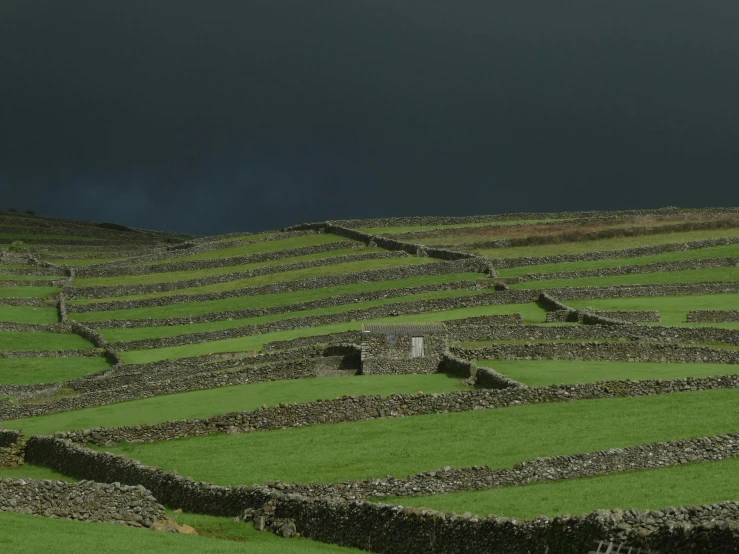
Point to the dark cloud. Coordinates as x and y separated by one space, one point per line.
232 115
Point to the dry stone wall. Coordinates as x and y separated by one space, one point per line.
125 290
712 316
86 501
12 448
372 275
507 263
586 316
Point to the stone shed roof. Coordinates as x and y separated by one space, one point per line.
404 328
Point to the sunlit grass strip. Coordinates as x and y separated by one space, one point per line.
27 292
406 446
690 484
17 340
540 373
204 403
28 314
28 371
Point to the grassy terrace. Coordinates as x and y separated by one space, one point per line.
21 236
667 277
7 277
700 483
204 403
405 446
270 300
168 277
672 309
604 244
540 373
731 250
219 535
78 261
412 228
28 314
531 312
27 292
255 342
21 340
286 276
258 247
26 371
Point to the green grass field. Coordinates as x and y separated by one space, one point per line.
659 278
731 250
29 534
672 309
540 373
270 300
29 314
7 277
404 446
168 277
530 312
649 489
26 371
27 292
204 403
604 244
296 275
22 340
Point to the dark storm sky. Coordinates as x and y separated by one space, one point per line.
211 117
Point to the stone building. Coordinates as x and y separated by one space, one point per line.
402 347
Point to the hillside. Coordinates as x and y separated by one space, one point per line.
312 380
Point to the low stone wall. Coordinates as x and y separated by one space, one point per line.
12 448
337 300
302 342
634 291
601 351
127 290
69 353
86 501
484 320
507 263
390 529
632 269
397 405
595 316
488 378
32 327
712 316
372 275
193 265
453 365
579 236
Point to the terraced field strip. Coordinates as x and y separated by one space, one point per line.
728 251
27 292
714 274
699 483
220 536
412 228
7 277
204 403
619 243
22 236
29 371
286 276
168 277
18 340
405 446
532 313
255 342
672 309
28 314
258 247
270 300
79 261
540 373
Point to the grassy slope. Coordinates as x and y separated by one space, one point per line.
666 277
28 314
204 403
679 256
605 244
28 534
286 276
270 300
16 340
531 312
27 292
700 483
26 371
499 438
411 228
168 277
549 372
672 309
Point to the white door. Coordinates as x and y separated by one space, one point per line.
416 347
